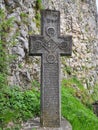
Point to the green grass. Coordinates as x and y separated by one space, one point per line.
76 88
16 105
80 117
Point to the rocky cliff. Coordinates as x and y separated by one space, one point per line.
78 18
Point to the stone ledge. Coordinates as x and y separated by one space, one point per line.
35 124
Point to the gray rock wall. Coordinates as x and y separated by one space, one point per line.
78 18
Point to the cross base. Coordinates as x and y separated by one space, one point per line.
35 124
65 125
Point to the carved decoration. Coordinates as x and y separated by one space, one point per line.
51 45
51 31
38 45
51 58
63 45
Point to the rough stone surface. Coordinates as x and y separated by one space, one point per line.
78 18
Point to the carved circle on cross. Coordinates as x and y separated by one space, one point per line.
38 44
63 45
51 31
51 58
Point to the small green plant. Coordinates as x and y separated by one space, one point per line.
35 84
22 14
24 17
37 19
34 129
38 4
20 65
95 93
67 69
37 16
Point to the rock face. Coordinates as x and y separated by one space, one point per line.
78 18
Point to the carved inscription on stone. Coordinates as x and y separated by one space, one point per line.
49 45
51 93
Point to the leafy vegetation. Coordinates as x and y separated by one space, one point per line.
38 9
16 106
5 27
75 110
39 4
24 17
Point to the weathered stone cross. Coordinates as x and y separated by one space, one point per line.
50 45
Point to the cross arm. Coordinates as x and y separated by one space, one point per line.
35 45
65 45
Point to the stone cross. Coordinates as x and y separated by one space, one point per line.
50 45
